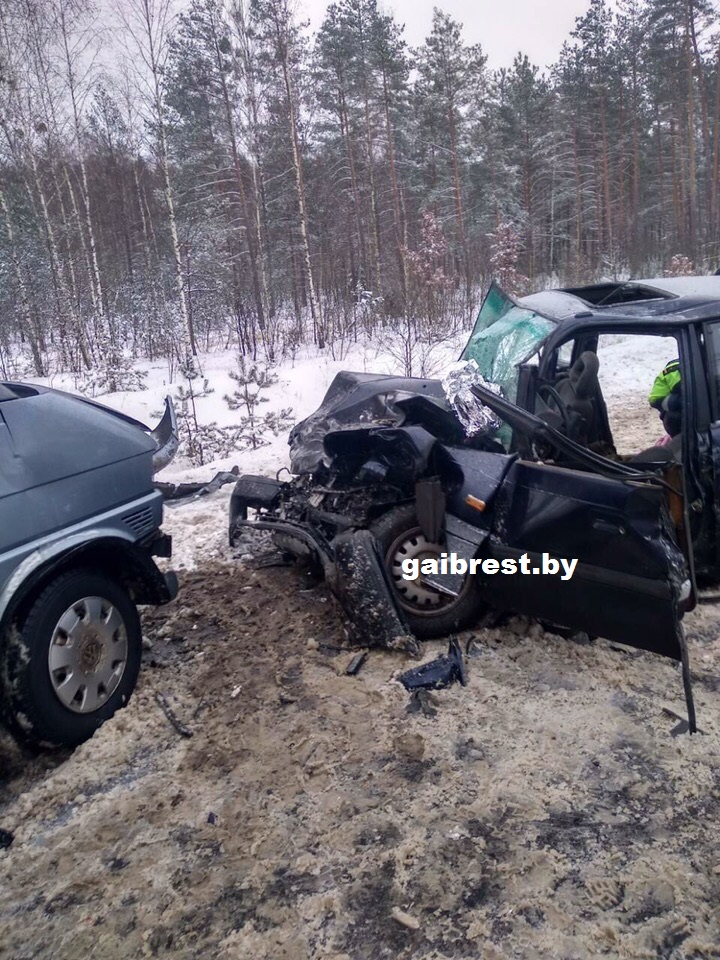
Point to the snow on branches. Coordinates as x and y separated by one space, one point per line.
680 266
252 381
505 249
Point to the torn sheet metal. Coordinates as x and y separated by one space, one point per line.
177 493
363 589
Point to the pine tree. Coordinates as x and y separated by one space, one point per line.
521 126
283 53
205 137
451 77
253 380
505 250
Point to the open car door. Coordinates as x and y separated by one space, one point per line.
623 523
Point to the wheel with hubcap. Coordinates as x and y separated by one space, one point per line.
429 612
71 660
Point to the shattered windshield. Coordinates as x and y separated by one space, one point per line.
505 335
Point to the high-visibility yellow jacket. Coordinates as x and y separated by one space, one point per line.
664 383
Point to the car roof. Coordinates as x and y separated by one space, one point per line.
673 298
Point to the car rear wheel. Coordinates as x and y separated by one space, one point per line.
429 612
71 660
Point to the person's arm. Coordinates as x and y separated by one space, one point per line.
659 391
665 382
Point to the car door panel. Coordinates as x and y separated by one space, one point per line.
632 573
626 584
605 522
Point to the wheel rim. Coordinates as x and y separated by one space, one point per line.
88 654
413 595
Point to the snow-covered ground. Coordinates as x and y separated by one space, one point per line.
199 529
629 364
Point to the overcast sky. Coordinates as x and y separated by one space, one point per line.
503 27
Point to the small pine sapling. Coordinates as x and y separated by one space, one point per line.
201 442
115 371
252 381
367 306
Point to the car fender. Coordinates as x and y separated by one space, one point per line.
104 546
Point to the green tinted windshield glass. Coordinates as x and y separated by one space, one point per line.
504 335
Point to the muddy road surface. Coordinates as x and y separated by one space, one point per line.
544 811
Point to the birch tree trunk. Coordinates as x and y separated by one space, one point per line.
65 304
152 16
97 295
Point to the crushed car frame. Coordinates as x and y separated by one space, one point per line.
513 454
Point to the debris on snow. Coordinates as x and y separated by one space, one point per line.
170 714
437 674
405 919
355 665
422 701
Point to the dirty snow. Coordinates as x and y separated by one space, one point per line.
545 811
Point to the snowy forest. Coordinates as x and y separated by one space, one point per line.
214 176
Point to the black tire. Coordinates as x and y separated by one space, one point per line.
444 614
31 705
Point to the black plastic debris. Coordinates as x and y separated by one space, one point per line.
439 673
6 838
175 493
355 665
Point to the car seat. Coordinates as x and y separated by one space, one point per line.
569 403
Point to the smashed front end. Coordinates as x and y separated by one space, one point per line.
361 453
358 402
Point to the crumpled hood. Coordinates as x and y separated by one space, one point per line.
362 400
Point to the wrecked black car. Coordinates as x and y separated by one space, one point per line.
512 459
